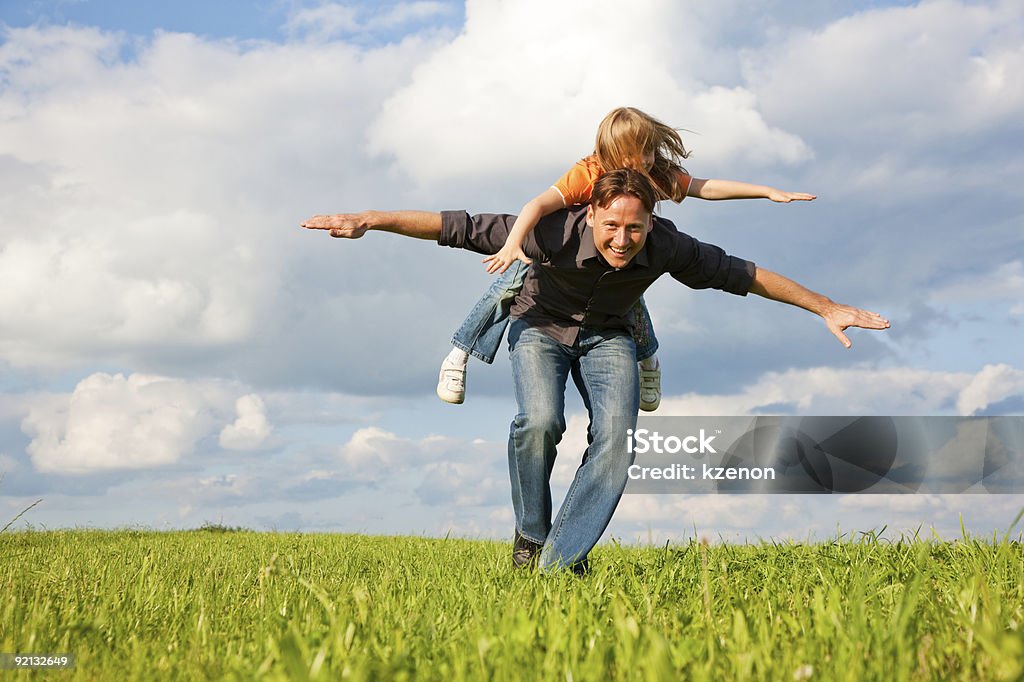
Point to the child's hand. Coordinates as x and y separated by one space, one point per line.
508 255
786 197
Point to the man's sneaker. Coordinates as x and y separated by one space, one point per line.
524 552
451 382
650 389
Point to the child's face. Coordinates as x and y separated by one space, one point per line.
648 160
644 162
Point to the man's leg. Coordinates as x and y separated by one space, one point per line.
540 367
606 375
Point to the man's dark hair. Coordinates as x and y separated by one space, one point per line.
624 181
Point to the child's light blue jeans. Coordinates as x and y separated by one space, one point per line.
481 332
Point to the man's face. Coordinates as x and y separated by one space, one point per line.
620 229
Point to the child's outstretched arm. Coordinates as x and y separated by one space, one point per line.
541 205
717 190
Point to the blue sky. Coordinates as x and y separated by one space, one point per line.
231 19
175 350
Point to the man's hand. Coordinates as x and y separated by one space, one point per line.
341 225
839 317
781 197
417 224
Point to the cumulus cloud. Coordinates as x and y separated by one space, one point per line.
373 449
682 511
896 503
251 429
896 84
491 106
224 488
476 482
443 470
933 68
836 391
991 385
151 197
114 422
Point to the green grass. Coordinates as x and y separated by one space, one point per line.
245 605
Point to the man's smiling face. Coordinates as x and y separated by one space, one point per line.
620 229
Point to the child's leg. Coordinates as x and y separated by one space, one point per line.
480 333
646 349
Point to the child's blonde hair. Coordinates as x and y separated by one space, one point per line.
627 134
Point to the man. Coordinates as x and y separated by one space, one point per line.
570 319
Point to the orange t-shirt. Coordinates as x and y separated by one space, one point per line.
578 182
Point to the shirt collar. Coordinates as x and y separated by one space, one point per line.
587 248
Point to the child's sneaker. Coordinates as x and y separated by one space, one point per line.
650 388
451 382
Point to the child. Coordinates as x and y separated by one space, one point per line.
627 137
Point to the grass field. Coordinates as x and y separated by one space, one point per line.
244 605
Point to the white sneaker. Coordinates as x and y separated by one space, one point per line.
451 382
650 389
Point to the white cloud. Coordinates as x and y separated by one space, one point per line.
897 503
112 422
570 449
705 511
476 482
152 202
514 94
991 385
660 518
251 429
448 471
931 69
373 447
835 391
900 88
1006 281
138 421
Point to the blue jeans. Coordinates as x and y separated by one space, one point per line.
603 367
481 331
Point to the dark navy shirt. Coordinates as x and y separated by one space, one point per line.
571 286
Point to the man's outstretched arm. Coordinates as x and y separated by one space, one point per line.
418 224
837 317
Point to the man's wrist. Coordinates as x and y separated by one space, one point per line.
825 306
371 220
